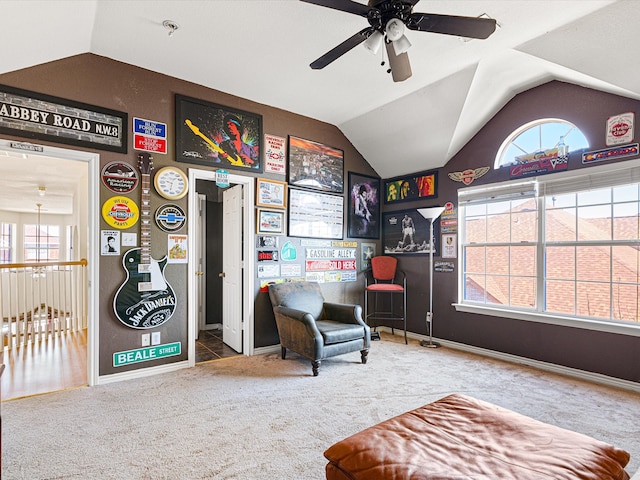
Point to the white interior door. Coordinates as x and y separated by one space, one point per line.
232 268
201 253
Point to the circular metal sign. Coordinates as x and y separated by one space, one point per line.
119 177
170 217
120 212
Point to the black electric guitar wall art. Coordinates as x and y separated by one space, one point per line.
145 299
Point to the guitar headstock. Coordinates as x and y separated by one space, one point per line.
145 163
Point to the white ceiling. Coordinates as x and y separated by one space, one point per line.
261 50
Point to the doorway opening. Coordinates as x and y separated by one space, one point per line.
220 268
48 274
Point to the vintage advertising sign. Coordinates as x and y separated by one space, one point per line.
268 256
468 176
120 212
119 177
34 115
149 136
145 354
620 129
613 153
177 251
539 163
331 264
275 154
170 217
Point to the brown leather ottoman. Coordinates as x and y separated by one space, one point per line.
459 437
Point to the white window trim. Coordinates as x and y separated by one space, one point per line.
594 174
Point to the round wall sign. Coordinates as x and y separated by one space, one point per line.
120 212
119 177
171 183
170 218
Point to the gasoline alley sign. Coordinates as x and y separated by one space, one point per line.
34 115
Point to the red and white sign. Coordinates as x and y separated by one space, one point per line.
327 265
620 129
149 144
275 154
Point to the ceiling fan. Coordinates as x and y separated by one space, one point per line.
387 21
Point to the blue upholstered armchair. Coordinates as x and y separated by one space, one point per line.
314 328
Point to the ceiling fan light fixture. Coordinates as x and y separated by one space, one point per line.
395 34
374 42
401 45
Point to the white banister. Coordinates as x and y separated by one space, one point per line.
39 300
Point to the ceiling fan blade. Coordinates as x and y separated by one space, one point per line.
341 49
472 27
399 64
343 5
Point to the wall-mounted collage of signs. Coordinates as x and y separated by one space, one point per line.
145 299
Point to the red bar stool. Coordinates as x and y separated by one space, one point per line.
385 278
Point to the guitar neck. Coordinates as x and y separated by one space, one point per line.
145 221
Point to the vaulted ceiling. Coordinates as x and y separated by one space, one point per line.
261 50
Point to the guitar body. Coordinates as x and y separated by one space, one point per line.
145 299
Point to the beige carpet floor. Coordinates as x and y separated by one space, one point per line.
263 417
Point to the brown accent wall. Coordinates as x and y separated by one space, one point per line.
99 81
604 353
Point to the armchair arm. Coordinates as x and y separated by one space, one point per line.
298 331
344 313
304 318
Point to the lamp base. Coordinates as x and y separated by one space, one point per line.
429 344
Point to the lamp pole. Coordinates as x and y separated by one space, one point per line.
432 215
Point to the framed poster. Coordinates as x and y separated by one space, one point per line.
407 232
315 214
217 136
35 115
270 222
367 252
314 165
417 186
271 193
364 206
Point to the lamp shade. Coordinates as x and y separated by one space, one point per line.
374 42
431 213
394 29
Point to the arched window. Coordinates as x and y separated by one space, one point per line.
538 136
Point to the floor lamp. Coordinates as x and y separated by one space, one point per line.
432 215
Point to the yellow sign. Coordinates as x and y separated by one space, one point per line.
120 212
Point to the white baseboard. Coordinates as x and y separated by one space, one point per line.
144 372
551 367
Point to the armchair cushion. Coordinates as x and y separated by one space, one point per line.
338 332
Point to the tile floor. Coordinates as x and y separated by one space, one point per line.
210 346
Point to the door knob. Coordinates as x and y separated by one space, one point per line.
199 273
221 274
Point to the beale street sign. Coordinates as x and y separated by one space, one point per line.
34 115
146 354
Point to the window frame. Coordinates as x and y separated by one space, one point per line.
10 238
43 245
499 162
593 177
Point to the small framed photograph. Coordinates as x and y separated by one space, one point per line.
364 206
270 222
316 166
271 193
